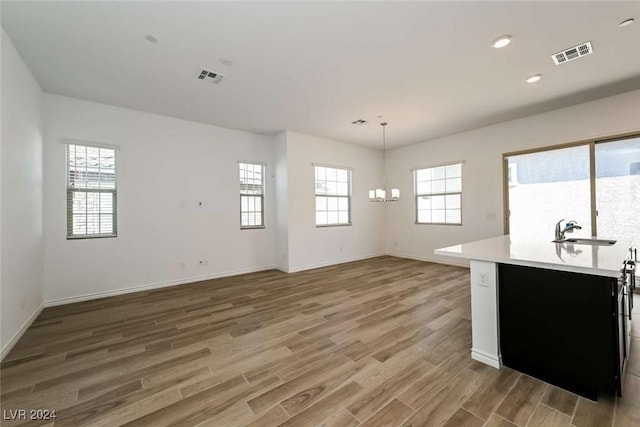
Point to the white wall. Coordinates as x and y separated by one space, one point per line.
481 150
311 246
21 217
165 167
281 185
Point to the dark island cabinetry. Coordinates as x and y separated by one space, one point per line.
565 328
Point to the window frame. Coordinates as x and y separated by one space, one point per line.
416 195
348 196
591 142
512 174
70 191
262 224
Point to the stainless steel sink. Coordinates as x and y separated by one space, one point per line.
603 242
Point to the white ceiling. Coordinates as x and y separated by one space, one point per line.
314 67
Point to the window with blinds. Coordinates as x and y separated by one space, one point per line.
251 195
333 196
91 192
438 193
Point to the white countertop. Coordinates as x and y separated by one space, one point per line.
598 260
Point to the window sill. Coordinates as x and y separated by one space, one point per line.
253 227
437 223
333 225
92 236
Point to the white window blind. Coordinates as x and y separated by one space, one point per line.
333 196
91 192
438 193
251 195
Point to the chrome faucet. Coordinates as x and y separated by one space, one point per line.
569 227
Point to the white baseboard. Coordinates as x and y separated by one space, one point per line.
14 339
487 359
158 285
330 263
122 291
282 268
455 262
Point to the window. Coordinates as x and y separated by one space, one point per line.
251 195
91 192
333 196
595 183
439 194
552 184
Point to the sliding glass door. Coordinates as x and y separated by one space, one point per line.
547 186
595 183
618 189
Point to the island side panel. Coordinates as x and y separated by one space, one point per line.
560 327
484 313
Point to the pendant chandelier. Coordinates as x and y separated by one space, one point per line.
380 194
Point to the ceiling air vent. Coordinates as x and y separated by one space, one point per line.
208 75
572 53
359 122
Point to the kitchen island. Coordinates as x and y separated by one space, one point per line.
555 311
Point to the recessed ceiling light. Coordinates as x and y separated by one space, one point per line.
226 61
151 39
626 22
502 41
534 78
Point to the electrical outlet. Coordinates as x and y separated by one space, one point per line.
201 263
206 262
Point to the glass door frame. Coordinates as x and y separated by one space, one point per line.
592 172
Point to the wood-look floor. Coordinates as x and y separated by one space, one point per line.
381 342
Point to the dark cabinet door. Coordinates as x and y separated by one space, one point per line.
559 327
